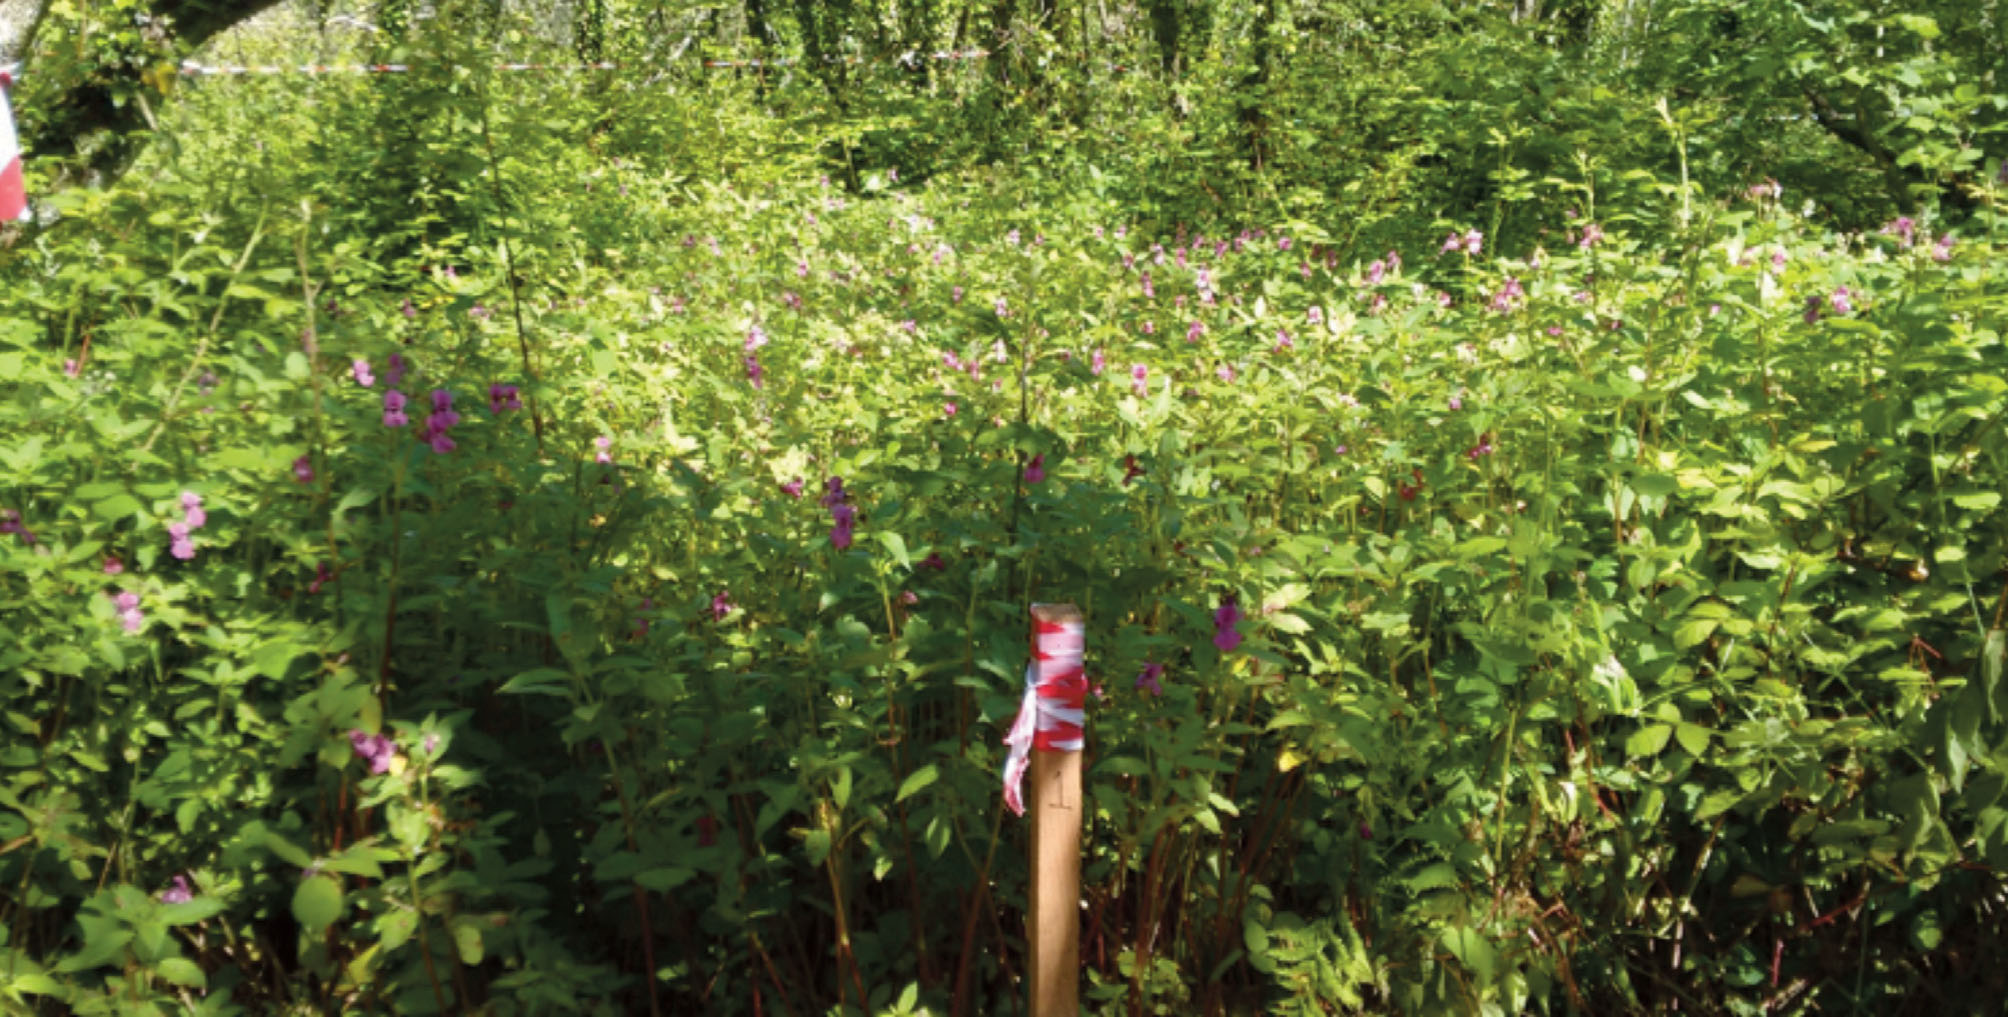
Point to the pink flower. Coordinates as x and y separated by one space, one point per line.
178 893
935 562
1315 315
1283 243
721 605
377 749
1193 332
361 370
1841 303
1375 272
756 337
1148 680
1473 241
130 618
1941 251
1225 372
948 409
408 310
503 397
113 566
1035 471
191 509
1096 363
70 367
393 409
755 374
1003 311
793 487
1226 619
1591 234
1138 374
303 469
394 374
180 545
605 446
1456 403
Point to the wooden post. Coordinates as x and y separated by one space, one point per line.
1054 922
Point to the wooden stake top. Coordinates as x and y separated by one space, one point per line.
1056 614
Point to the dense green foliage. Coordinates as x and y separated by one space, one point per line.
1530 564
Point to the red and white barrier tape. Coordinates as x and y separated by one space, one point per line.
1052 715
13 187
194 69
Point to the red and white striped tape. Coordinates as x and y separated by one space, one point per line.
1052 714
13 187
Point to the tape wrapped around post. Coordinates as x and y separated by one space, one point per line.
1051 715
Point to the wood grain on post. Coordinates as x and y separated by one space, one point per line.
1057 817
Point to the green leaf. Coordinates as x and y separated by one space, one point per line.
182 971
1648 741
317 902
662 879
917 781
467 941
1694 738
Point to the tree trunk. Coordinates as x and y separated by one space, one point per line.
93 117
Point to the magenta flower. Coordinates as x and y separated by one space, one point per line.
503 397
377 750
1149 291
361 370
947 410
1591 234
1941 251
322 577
1194 331
793 487
408 310
394 374
179 892
755 374
1035 471
843 518
113 566
1456 402
71 367
393 408
1148 680
303 469
1226 619
1840 301
1452 244
605 446
191 509
1138 375
934 561
834 493
1375 272
1283 243
440 442
1225 372
1097 363
721 605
